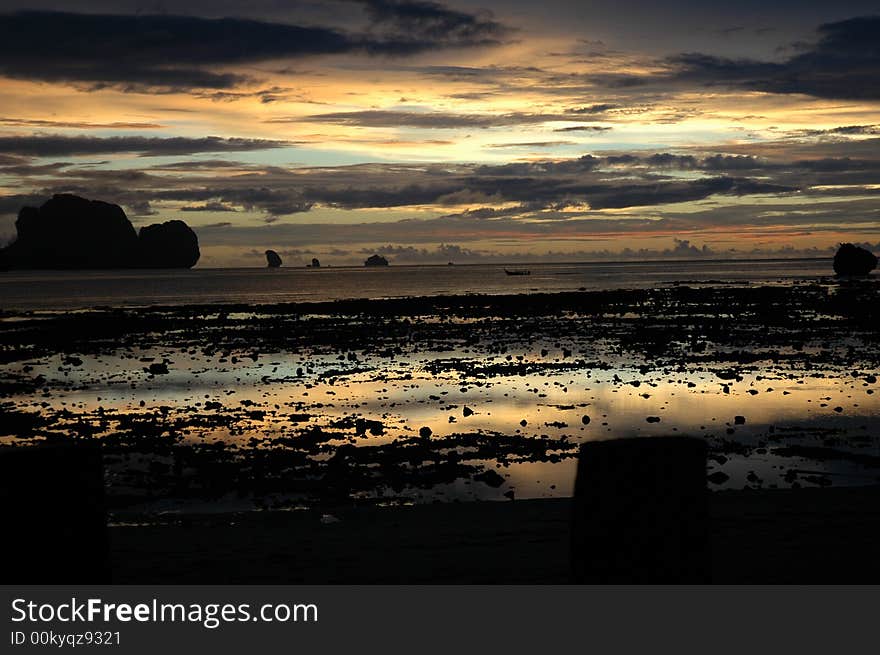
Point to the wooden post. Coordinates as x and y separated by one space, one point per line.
641 512
52 513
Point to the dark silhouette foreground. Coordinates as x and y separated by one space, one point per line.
854 261
52 512
758 536
69 232
640 512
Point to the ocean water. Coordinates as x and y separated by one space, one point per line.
70 290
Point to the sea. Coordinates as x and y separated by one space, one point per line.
78 290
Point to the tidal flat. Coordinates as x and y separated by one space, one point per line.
312 406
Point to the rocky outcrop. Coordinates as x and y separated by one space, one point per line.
273 259
376 260
172 244
853 260
72 232
69 232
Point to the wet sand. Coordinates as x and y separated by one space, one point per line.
457 398
795 536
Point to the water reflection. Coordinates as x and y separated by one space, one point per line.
235 410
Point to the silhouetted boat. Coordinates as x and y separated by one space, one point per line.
517 271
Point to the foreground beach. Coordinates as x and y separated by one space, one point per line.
359 440
799 536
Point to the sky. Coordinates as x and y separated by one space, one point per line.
449 131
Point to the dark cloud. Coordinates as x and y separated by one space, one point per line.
436 119
583 128
843 64
26 169
155 51
419 22
173 53
208 207
55 145
32 122
532 144
791 171
247 196
412 194
580 165
593 109
548 190
637 195
844 130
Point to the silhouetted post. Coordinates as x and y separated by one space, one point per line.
52 513
641 512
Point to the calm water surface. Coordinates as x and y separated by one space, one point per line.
65 290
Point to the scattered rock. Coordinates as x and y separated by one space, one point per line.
376 260
490 477
362 425
273 259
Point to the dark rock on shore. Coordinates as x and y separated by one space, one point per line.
853 260
315 263
490 477
273 259
159 368
172 244
69 232
376 260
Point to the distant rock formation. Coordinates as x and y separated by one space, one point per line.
376 260
72 232
853 260
69 232
171 244
315 263
273 259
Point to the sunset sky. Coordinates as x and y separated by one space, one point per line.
428 131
